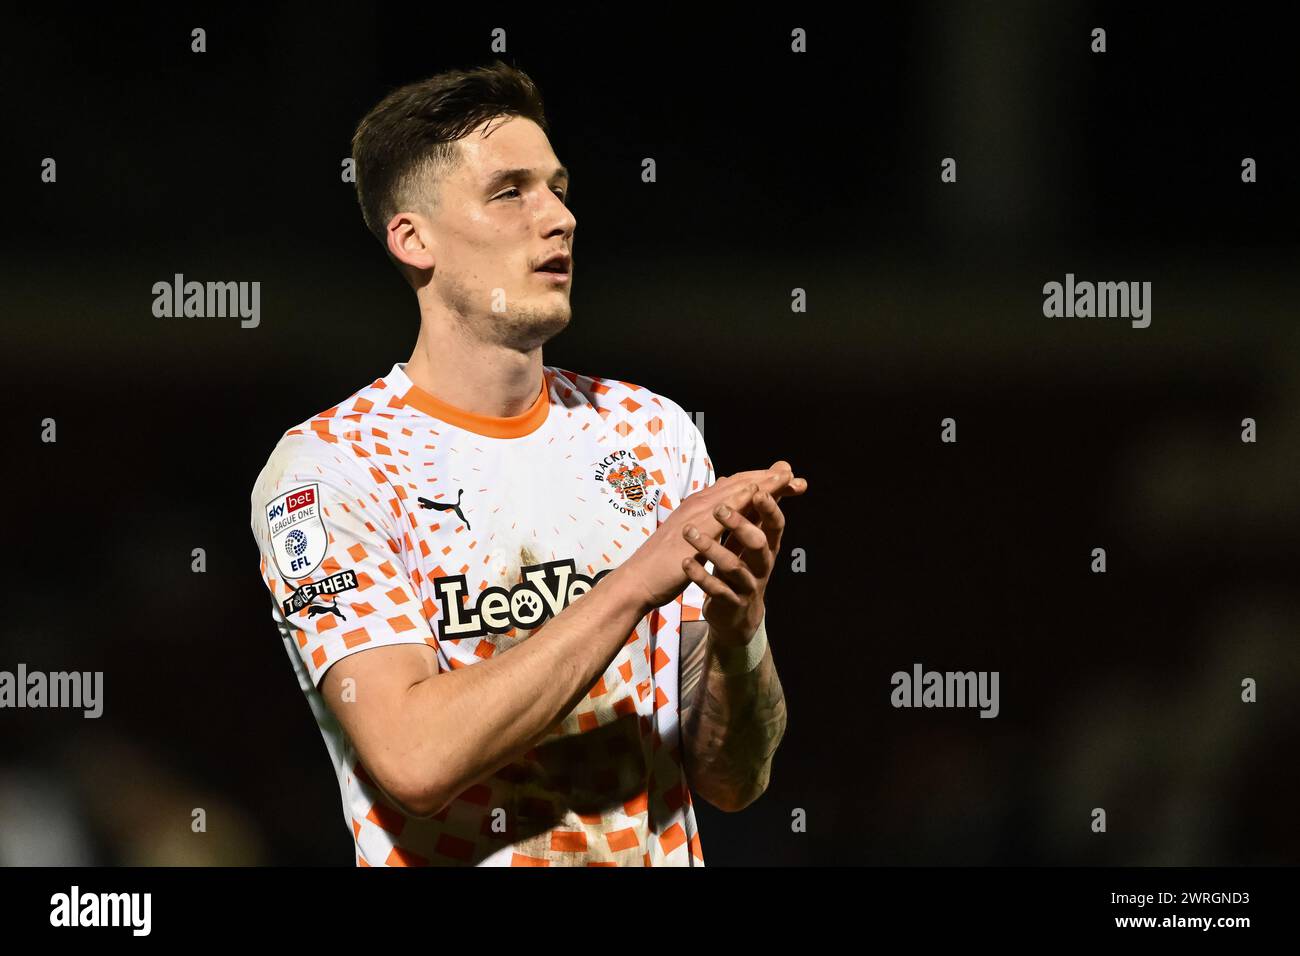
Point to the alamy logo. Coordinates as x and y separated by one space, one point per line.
546 590
1122 300
181 299
946 689
76 908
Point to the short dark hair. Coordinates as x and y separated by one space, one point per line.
409 138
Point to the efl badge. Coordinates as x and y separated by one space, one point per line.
298 536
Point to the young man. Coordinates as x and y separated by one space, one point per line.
511 544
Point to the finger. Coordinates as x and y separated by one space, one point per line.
739 492
728 541
709 583
746 540
796 486
756 474
777 482
707 523
741 528
740 479
771 520
789 484
726 565
736 492
742 505
764 511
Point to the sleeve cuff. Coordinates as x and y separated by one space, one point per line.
735 661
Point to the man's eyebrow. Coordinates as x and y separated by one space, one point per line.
503 176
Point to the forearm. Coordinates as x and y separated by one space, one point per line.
732 727
468 723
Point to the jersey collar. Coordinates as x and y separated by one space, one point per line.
514 426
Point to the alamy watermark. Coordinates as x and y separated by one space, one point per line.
922 688
80 690
181 299
1121 300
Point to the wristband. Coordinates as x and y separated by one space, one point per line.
735 661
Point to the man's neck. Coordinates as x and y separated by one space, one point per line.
475 376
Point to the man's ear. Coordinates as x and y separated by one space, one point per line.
410 241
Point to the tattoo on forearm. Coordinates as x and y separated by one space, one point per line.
731 726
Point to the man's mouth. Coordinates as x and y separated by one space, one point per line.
557 264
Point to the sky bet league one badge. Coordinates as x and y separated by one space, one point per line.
298 536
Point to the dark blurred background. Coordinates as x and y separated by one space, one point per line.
775 170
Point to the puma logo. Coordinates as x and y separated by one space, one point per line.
316 610
426 503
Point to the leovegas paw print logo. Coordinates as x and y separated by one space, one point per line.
628 485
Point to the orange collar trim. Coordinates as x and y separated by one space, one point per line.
514 426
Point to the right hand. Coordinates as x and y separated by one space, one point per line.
654 571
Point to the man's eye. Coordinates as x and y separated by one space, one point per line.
515 189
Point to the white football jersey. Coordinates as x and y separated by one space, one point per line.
396 518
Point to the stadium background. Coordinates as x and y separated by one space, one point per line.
775 171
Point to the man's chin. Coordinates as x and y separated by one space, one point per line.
532 329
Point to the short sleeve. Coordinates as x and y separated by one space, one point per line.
696 474
331 558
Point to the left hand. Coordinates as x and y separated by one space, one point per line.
734 592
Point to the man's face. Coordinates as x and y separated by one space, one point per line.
500 214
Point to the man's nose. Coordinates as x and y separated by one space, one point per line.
559 218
